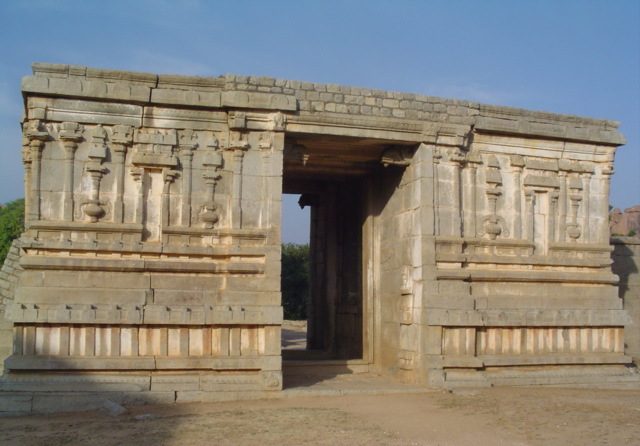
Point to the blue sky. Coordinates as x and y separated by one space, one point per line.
578 57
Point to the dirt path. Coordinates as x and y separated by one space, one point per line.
516 416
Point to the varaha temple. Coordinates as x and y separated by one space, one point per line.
451 242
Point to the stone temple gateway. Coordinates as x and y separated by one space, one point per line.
451 242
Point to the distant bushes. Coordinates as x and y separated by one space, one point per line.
295 280
11 225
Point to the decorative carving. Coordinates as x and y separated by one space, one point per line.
272 380
494 225
456 156
138 176
266 141
575 197
71 135
278 122
121 139
396 156
188 142
93 207
238 144
237 120
155 149
37 135
212 162
297 153
517 166
168 177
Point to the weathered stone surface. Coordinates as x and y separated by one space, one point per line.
445 234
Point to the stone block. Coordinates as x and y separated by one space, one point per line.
268 101
15 403
181 382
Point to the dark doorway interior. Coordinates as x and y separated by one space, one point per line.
336 177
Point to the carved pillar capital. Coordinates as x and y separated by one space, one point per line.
278 122
70 135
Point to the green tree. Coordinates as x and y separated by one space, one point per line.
11 225
295 280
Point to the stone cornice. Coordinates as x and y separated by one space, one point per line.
311 101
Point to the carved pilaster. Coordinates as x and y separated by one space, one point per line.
71 135
456 159
586 208
212 163
562 206
187 143
37 135
168 177
470 201
26 162
606 172
278 122
437 157
121 140
266 146
93 207
553 212
575 196
517 165
238 145
138 176
493 224
530 202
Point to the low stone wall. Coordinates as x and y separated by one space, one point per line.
626 264
8 280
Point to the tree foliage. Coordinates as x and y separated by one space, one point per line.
295 280
11 225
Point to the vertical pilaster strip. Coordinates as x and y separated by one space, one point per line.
70 150
470 224
456 158
70 134
138 176
562 207
530 197
187 145
606 172
238 144
37 138
122 138
26 161
517 164
553 211
266 145
168 176
437 156
586 190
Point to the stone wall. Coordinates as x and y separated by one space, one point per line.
151 253
626 264
9 275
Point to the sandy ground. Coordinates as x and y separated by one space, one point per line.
509 416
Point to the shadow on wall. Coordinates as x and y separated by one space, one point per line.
626 264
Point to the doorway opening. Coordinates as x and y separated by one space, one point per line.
294 272
344 184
